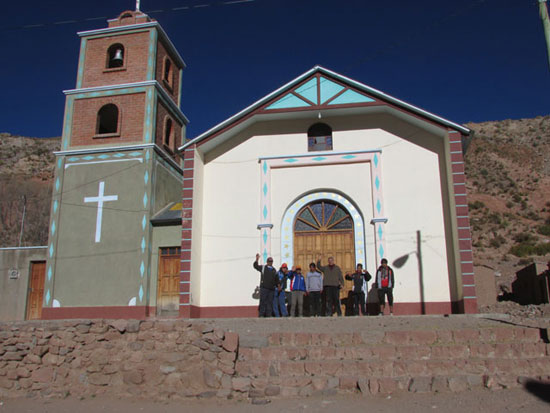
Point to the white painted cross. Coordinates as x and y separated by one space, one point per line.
100 199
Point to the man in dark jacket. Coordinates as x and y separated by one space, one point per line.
332 282
269 281
385 282
358 294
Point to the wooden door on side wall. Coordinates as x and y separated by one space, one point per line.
168 286
325 228
36 290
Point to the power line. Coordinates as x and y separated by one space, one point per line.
156 11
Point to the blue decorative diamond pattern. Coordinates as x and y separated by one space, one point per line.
146 177
291 160
143 223
88 157
380 232
378 206
349 157
142 245
147 155
74 158
48 296
142 269
104 156
265 189
377 183
145 200
265 255
381 251
50 273
319 159
51 250
265 236
118 155
55 206
57 184
141 293
135 153
265 212
53 227
265 168
59 163
376 160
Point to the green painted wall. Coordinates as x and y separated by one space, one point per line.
111 270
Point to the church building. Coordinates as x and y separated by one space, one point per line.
146 222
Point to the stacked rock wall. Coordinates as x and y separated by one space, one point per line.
383 362
154 359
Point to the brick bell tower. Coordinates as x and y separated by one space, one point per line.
117 167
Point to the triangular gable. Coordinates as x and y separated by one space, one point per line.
319 92
319 88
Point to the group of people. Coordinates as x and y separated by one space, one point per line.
319 279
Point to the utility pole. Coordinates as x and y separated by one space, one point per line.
23 218
543 11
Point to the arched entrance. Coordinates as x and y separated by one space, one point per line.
325 228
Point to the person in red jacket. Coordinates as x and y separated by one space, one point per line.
385 282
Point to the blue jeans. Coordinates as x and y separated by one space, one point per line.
279 302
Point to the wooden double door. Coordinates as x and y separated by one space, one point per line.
325 228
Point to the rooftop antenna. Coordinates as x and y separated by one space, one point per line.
137 5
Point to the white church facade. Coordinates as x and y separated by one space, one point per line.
326 166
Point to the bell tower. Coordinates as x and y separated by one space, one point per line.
117 167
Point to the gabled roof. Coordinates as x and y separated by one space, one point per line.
320 89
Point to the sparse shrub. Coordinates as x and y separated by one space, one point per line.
544 229
509 204
525 238
497 241
495 218
476 205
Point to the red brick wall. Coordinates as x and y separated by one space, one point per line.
131 116
159 76
136 48
162 113
130 17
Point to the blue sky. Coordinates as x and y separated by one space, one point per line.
465 60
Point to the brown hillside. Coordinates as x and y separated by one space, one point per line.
508 182
26 169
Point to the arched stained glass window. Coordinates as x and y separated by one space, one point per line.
323 216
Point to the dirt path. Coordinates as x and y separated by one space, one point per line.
512 400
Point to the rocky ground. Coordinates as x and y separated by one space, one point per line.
511 400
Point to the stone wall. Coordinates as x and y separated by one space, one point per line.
384 362
153 359
169 359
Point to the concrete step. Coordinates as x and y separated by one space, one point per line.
375 368
413 337
514 350
326 385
